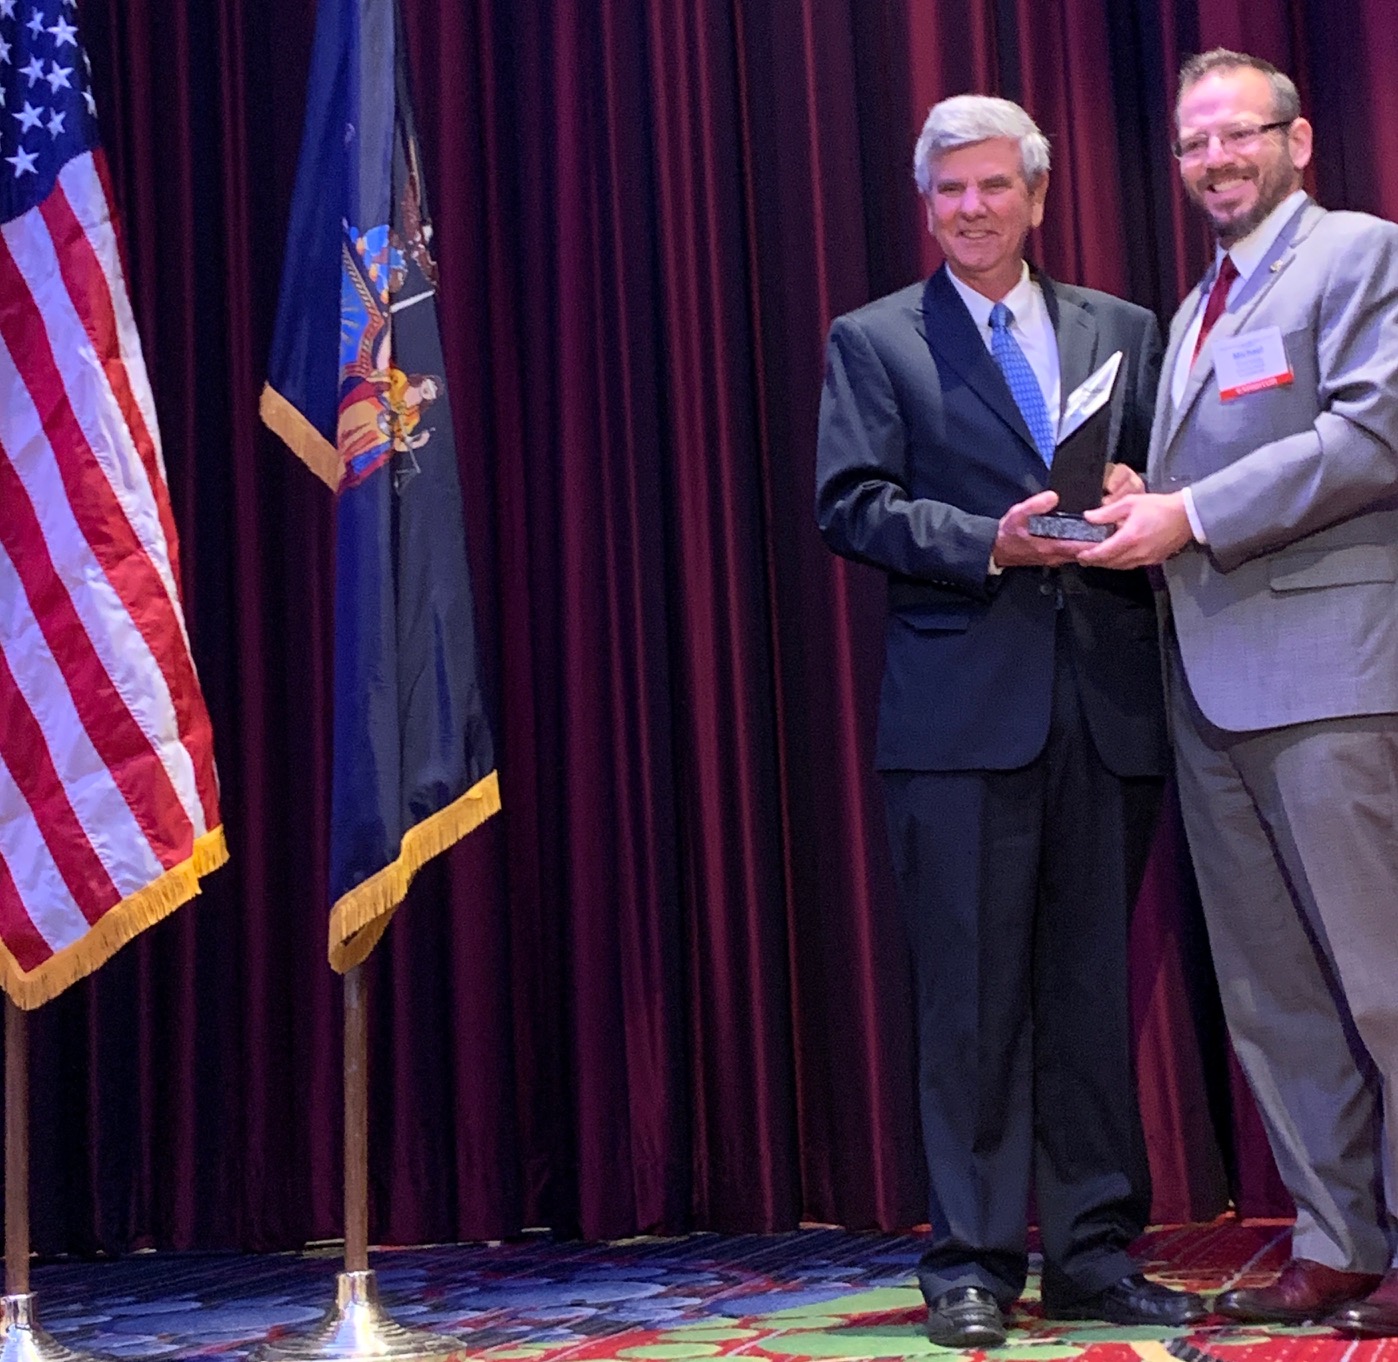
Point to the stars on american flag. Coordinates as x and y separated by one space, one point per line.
45 87
23 162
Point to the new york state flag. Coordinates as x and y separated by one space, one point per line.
357 389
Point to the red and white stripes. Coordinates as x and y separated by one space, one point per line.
108 795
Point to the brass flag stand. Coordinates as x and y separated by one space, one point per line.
22 1337
355 1325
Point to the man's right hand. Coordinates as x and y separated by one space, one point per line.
1016 547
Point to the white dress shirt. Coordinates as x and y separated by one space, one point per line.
1031 328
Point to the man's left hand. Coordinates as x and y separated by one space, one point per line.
1120 480
1150 527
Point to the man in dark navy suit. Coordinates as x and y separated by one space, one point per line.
1021 736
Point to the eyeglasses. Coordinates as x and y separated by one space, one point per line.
1195 148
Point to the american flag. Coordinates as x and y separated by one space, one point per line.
108 796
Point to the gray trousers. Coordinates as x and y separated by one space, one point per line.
1294 837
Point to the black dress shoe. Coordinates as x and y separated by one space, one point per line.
1135 1299
965 1317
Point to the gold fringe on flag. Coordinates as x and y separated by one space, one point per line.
358 919
301 437
114 928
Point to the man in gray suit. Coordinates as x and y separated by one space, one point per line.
1274 459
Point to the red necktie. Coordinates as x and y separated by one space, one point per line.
1218 300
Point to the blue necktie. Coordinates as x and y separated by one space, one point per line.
1024 387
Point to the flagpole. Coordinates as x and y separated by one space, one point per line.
356 1123
356 1326
16 1151
22 1337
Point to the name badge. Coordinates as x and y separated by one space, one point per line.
1250 362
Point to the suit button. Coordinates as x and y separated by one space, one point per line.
1046 588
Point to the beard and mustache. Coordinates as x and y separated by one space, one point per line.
1273 183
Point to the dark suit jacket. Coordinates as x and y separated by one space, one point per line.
921 451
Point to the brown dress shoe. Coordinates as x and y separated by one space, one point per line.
1376 1316
1302 1293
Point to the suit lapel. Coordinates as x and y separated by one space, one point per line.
1259 284
1076 330
1164 419
952 337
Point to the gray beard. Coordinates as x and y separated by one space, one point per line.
1230 233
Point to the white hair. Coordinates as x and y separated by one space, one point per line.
966 119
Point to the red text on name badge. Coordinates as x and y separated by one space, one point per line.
1250 363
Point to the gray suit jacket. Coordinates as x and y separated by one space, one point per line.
1290 613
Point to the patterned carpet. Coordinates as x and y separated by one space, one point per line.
816 1293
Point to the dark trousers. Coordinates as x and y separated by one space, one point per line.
1017 887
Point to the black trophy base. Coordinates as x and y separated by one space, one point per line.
1062 525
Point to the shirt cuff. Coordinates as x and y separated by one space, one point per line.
1196 527
993 569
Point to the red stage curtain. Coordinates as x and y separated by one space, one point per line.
667 988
